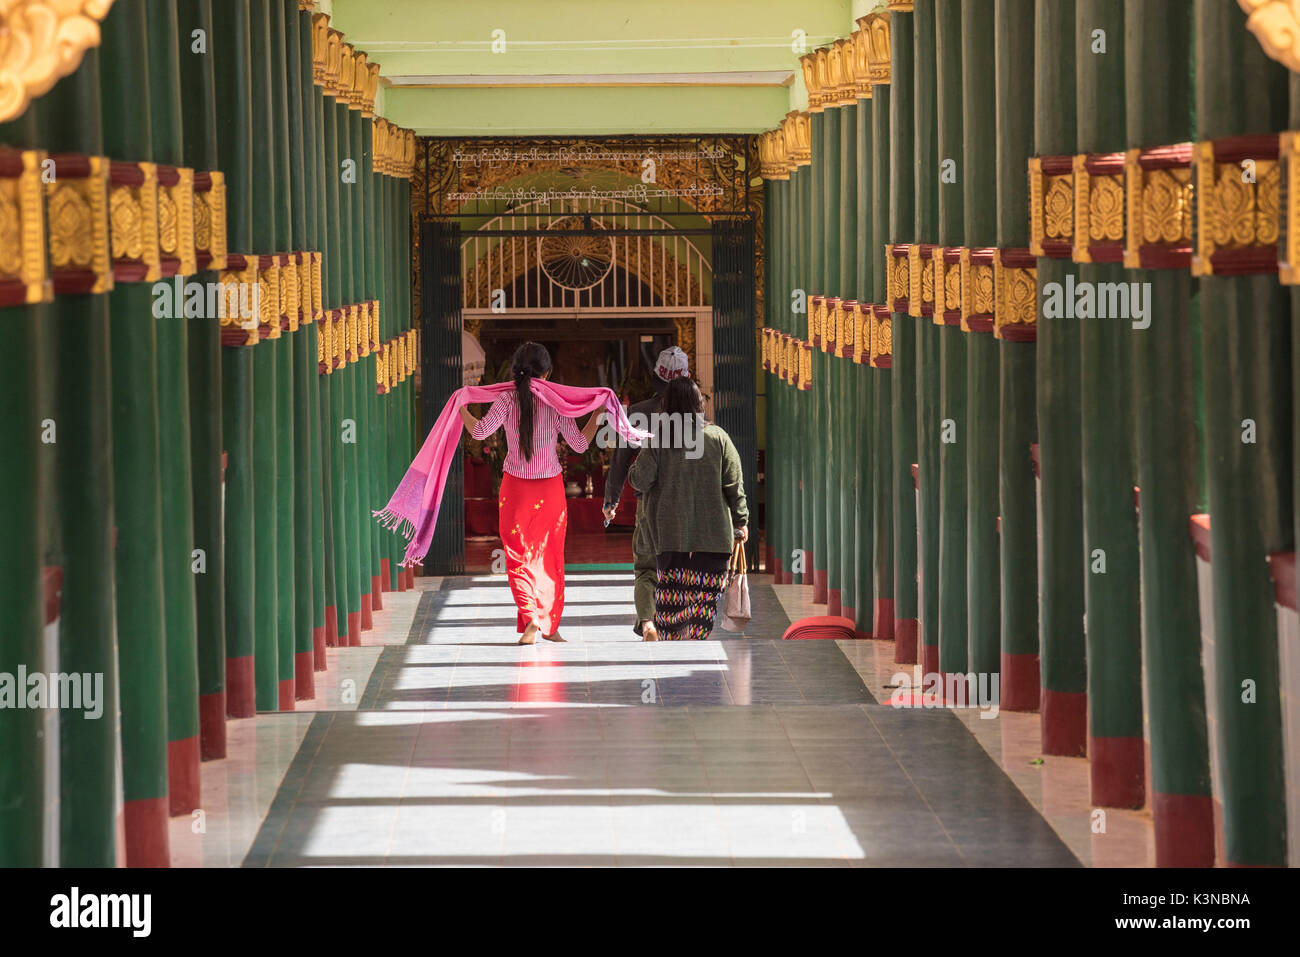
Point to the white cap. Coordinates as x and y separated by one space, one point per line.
672 364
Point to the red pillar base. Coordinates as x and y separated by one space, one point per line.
821 594
304 675
376 592
147 843
286 688
1184 826
1020 682
769 560
410 579
401 579
331 626
1117 766
929 659
778 573
907 633
241 689
851 613
883 623
834 602
354 630
212 726
385 575
183 793
367 621
1065 723
807 575
957 691
319 661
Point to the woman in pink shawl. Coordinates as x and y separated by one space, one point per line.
534 512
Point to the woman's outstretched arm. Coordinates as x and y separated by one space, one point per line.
468 418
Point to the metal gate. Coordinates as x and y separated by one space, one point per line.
440 376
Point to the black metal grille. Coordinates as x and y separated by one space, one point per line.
440 375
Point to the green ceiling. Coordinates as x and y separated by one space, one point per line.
589 67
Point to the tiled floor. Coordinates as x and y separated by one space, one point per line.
468 749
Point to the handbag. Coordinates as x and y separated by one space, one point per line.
735 608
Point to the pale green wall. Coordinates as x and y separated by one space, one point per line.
436 38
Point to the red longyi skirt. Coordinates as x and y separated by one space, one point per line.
534 516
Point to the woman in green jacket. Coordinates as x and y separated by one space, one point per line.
689 478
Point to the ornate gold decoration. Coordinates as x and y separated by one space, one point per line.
805 366
830 325
1051 206
210 220
1098 207
1158 201
1237 204
1289 247
914 270
320 35
356 94
900 6
977 296
875 29
1015 289
176 202
290 290
77 207
812 81
23 274
862 332
685 326
268 281
347 74
239 271
334 82
374 324
1276 25
133 205
42 41
882 337
846 328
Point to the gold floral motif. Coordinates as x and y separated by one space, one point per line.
180 198
927 280
127 222
42 41
913 286
210 221
1106 209
1167 206
305 312
289 291
1016 296
1058 208
875 29
951 290
268 281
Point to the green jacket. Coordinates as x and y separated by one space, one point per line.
695 503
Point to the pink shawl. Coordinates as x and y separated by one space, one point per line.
413 509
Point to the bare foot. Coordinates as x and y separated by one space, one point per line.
554 637
530 634
649 632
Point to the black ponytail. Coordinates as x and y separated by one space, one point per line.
531 360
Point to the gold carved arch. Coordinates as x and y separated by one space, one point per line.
41 42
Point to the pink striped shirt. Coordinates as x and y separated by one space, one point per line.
547 424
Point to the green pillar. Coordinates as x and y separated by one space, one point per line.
287 547
142 657
1061 556
1113 623
1017 419
175 443
870 160
230 43
303 360
954 432
23 759
309 100
880 385
1165 374
814 481
848 435
810 448
895 116
90 758
978 435
828 390
923 162
1247 376
893 108
199 115
265 375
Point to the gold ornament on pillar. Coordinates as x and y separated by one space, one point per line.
334 63
41 42
874 29
320 36
808 64
1237 215
356 94
23 270
371 90
1015 291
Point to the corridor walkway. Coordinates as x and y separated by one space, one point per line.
468 749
